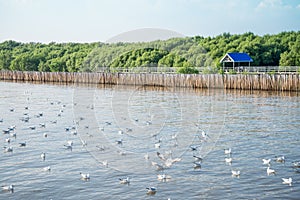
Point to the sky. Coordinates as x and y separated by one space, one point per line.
100 20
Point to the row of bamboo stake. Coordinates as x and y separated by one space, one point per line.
275 82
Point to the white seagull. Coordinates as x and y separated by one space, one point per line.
43 156
47 169
13 134
85 176
287 181
198 158
197 165
204 135
146 156
157 145
296 164
105 163
9 188
228 160
163 177
280 159
124 180
266 161
227 151
235 173
270 171
8 149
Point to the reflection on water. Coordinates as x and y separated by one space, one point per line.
113 127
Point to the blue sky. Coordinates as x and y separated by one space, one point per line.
99 20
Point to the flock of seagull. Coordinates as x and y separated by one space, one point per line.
166 159
278 159
11 133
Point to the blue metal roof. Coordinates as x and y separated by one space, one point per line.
236 57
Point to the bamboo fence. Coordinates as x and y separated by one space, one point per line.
274 82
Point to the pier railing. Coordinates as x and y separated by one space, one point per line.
240 69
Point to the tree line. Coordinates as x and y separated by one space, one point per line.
184 54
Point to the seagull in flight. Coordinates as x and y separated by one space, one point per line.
266 161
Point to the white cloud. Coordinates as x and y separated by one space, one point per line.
298 6
271 4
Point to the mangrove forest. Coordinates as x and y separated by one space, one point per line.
182 54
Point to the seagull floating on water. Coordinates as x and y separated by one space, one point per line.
280 159
151 190
228 160
13 134
270 171
235 173
163 177
197 165
8 188
120 141
124 180
43 156
22 144
146 156
42 125
198 158
85 176
194 148
296 164
70 142
105 163
8 149
48 168
157 145
227 151
287 181
7 140
204 135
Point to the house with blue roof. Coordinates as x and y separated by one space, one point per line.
238 60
